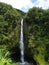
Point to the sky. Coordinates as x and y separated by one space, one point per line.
24 5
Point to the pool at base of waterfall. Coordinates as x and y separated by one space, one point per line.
25 63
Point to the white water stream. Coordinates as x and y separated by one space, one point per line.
22 43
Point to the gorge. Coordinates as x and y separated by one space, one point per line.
24 40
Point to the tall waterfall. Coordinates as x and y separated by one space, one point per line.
22 43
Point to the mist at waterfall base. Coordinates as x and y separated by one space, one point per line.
22 46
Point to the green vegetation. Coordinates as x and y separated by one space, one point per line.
37 22
9 32
36 34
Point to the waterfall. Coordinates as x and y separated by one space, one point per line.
21 43
22 46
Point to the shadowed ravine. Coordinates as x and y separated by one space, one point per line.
20 55
22 47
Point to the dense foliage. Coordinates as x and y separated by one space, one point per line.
36 34
37 23
9 32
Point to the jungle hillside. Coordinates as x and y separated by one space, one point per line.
36 35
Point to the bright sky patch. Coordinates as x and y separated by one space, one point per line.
24 5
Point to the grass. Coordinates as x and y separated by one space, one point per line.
4 56
5 61
40 59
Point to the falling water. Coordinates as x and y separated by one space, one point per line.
22 46
22 43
